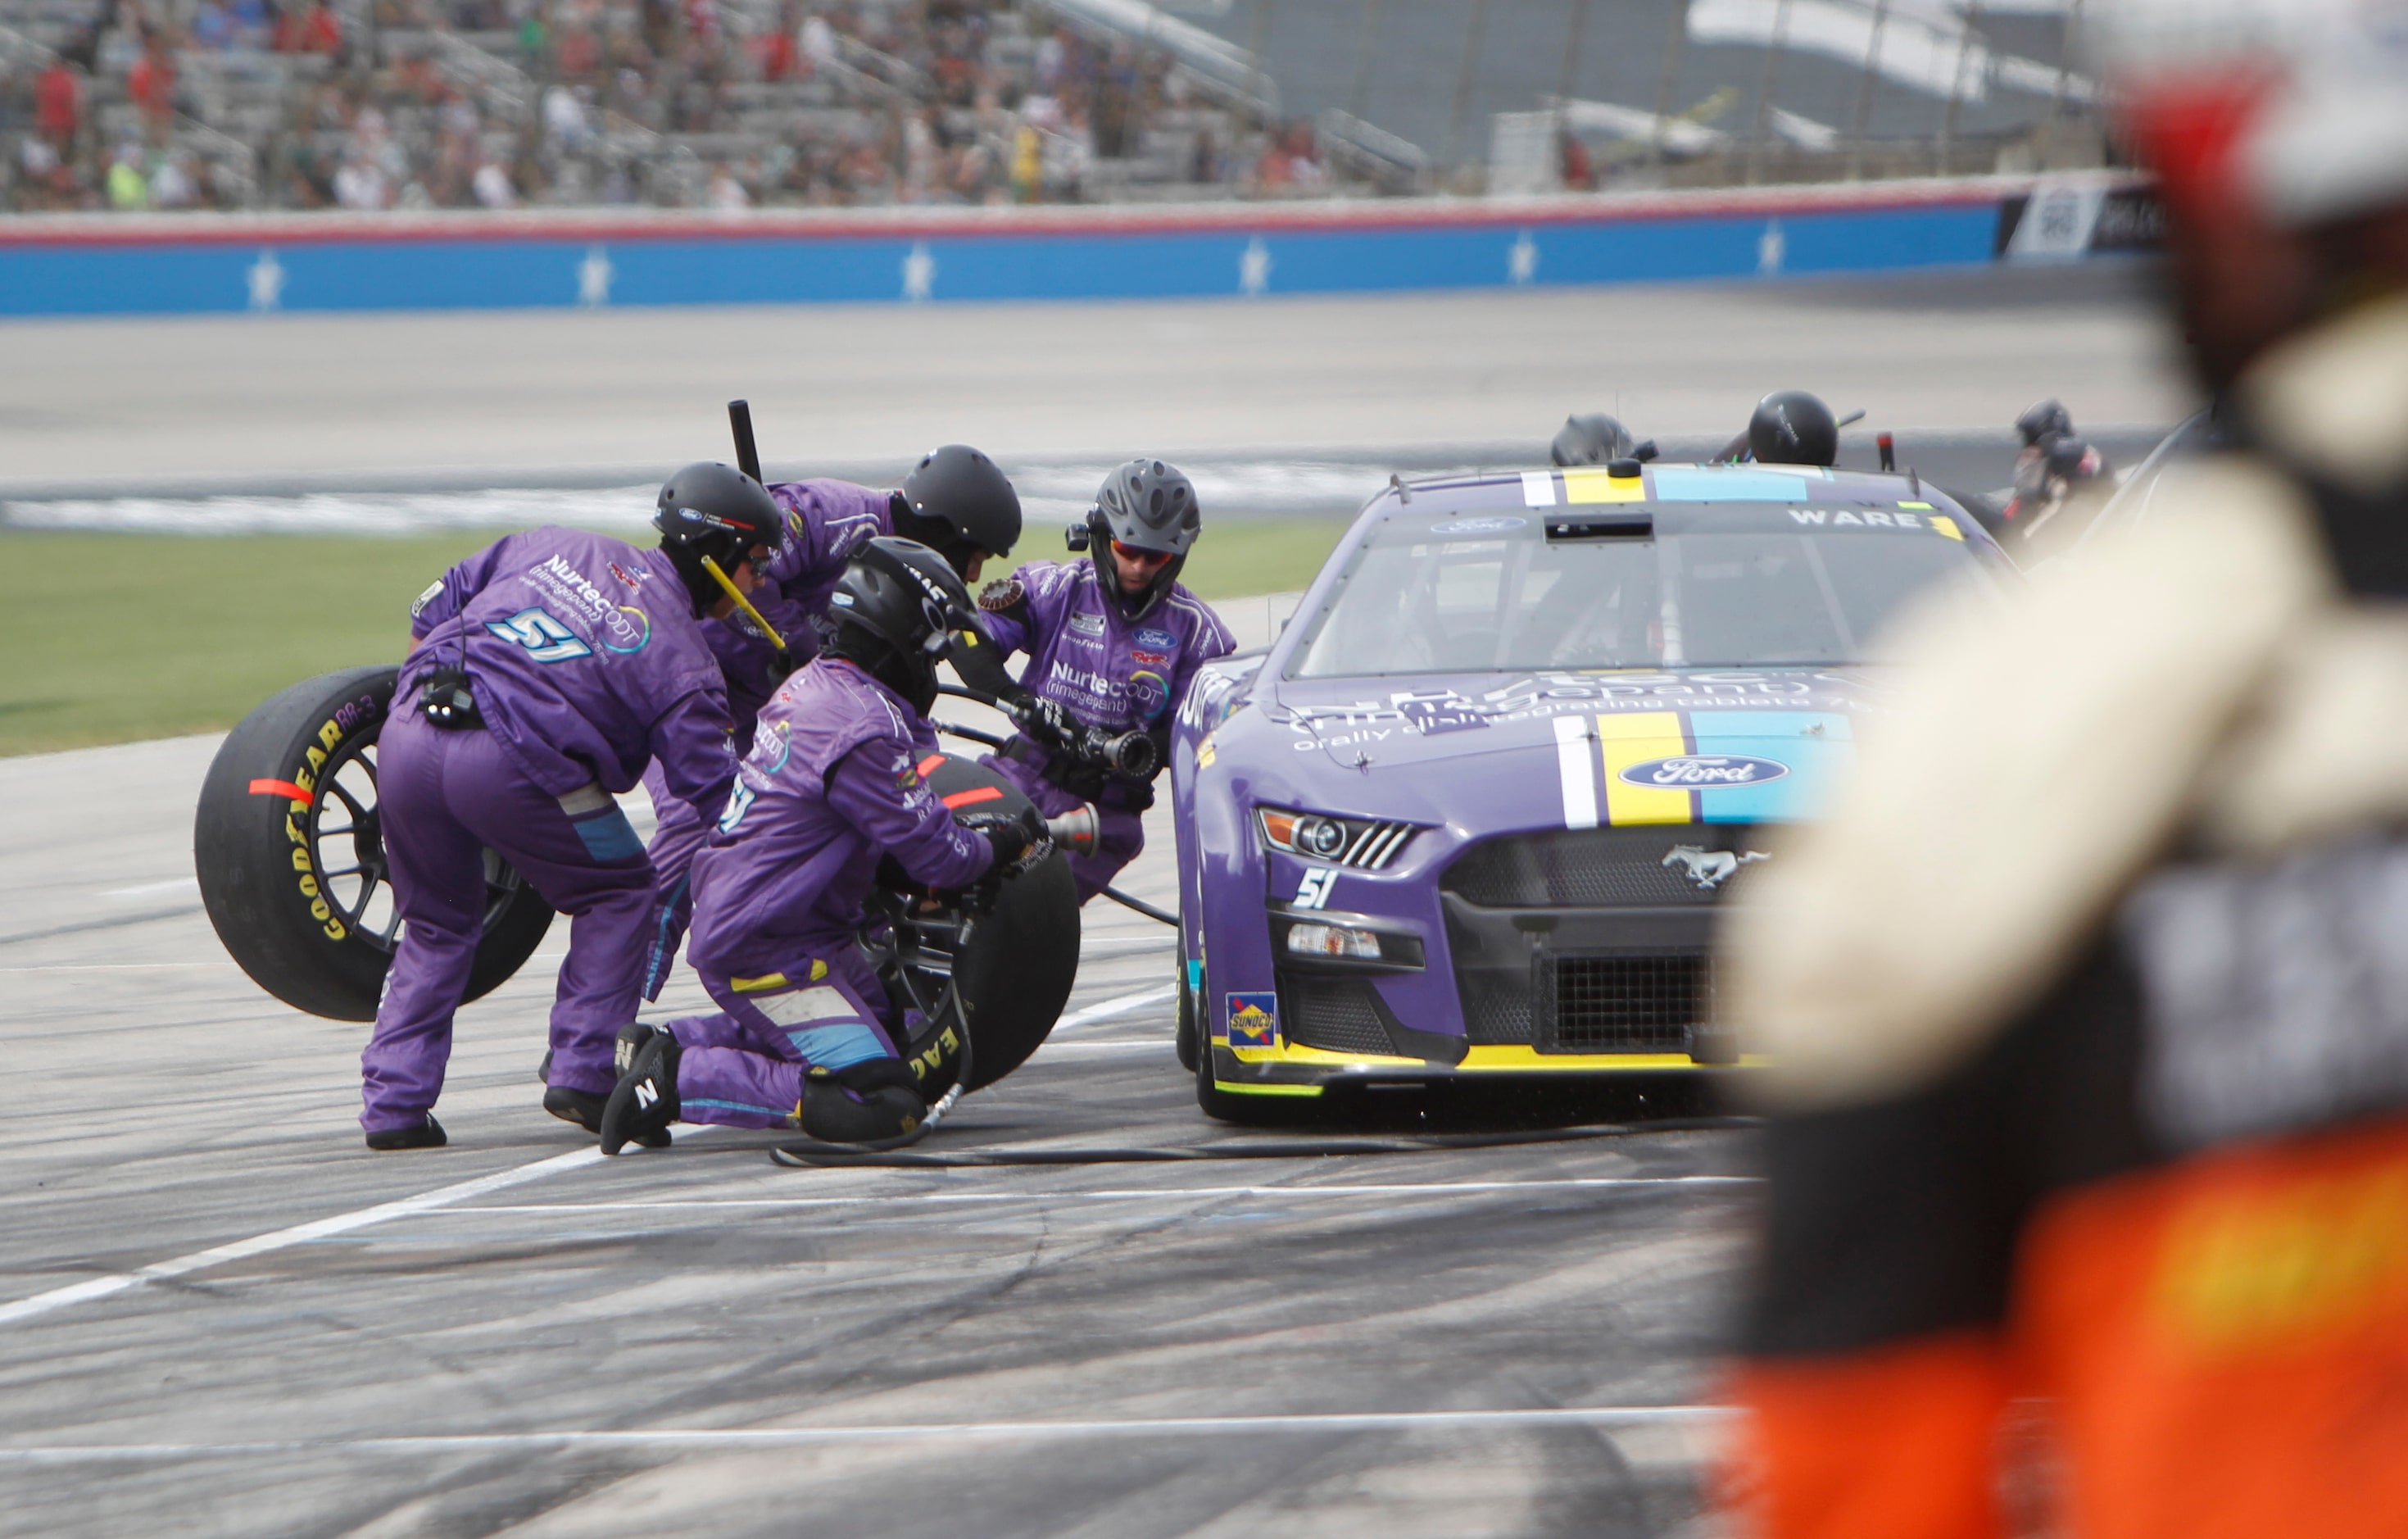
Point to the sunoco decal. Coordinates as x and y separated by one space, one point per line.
1254 1020
1703 771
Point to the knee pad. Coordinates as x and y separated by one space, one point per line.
834 1112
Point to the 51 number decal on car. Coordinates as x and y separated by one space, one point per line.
1313 891
547 639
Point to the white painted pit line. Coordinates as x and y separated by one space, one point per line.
1119 1006
93 1288
1606 1417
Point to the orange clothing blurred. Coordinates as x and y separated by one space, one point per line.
2222 1346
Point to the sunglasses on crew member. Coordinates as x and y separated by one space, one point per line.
1142 559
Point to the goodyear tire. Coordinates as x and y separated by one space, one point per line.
291 857
1017 969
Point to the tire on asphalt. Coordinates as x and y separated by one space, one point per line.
290 854
1016 971
1183 1038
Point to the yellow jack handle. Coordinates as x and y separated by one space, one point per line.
743 603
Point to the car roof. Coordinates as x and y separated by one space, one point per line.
1596 485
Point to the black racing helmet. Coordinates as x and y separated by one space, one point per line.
1793 427
714 512
892 613
957 502
1592 440
2043 419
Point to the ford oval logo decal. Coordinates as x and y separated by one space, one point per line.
1703 771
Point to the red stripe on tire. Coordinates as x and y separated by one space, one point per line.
978 794
284 788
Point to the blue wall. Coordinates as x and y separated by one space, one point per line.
365 265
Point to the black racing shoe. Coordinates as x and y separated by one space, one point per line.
428 1134
584 1108
632 1037
646 1102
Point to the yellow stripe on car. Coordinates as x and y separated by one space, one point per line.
1635 739
1592 484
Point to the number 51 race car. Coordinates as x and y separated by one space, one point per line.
1472 813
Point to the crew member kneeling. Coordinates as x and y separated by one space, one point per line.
1113 642
545 673
832 785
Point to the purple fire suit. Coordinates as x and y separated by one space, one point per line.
1105 669
827 520
833 783
587 664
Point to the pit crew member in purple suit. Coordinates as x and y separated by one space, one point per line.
831 787
1111 643
545 674
955 501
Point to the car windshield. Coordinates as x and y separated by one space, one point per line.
1642 588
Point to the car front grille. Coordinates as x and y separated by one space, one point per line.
1673 866
1622 1004
1334 1014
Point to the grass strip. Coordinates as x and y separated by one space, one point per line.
114 637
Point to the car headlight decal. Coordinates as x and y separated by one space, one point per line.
1363 843
1361 946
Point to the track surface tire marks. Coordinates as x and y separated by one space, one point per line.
178 1109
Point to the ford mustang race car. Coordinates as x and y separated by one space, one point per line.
1473 812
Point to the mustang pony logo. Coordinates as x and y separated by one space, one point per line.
1709 869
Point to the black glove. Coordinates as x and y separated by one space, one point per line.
980 663
1011 838
782 663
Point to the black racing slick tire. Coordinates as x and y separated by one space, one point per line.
1184 1038
1014 972
290 854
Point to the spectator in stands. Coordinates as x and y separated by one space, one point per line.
129 190
58 105
213 27
493 187
309 28
150 86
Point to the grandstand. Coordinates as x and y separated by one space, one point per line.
726 104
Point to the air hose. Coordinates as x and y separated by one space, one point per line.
811 1155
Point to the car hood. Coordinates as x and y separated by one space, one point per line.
1480 751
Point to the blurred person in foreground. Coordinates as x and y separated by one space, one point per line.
2089 1006
546 674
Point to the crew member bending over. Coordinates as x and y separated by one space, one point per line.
955 501
832 785
545 674
1112 642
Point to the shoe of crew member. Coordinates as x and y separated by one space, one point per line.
584 1108
645 1102
427 1134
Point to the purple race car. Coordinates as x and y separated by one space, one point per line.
1472 813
